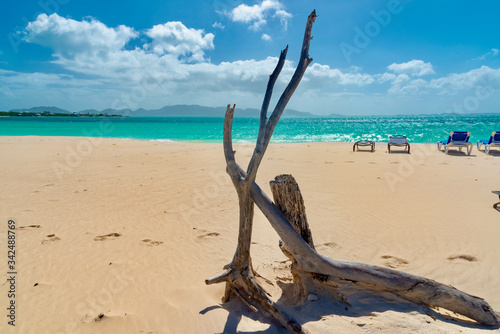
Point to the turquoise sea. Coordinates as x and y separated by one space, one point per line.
418 129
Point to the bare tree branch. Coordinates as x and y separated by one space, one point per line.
258 152
228 144
264 136
304 62
239 276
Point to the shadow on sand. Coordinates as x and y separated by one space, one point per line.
363 301
492 153
457 153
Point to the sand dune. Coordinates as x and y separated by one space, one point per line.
117 236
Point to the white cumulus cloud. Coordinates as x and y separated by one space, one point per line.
333 75
218 25
413 67
452 84
178 40
92 48
266 37
68 37
480 77
256 16
168 66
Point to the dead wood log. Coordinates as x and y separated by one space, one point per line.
288 198
239 275
415 288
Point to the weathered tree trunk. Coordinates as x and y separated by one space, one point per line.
307 263
414 288
288 198
239 277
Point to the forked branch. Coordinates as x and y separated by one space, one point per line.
267 127
239 276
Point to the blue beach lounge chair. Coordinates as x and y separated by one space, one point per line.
494 141
398 141
458 139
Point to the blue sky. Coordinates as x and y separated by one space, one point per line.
370 56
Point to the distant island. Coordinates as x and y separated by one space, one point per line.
51 114
182 110
167 111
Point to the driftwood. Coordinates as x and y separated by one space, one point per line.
415 288
307 263
288 199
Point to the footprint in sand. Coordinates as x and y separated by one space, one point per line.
463 257
205 234
330 244
50 238
29 227
393 262
109 236
150 242
211 234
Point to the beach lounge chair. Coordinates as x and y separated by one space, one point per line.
364 143
400 141
497 205
458 139
494 141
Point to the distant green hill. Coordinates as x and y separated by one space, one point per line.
167 111
40 110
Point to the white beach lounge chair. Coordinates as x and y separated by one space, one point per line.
364 143
400 141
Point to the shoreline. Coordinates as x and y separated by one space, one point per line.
379 145
238 142
130 229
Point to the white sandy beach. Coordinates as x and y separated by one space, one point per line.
118 236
